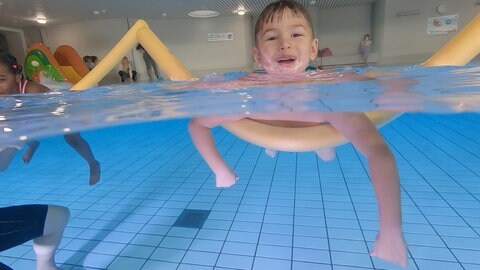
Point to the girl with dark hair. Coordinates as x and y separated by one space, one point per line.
12 82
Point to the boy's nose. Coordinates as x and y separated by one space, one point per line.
284 46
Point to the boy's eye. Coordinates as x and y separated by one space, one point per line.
297 35
271 38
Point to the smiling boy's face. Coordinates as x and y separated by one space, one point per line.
285 45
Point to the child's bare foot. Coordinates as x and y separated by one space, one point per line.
225 178
271 153
94 173
46 264
390 247
326 154
28 154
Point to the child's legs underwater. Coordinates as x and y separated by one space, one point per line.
80 145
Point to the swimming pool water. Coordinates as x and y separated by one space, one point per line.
436 89
290 212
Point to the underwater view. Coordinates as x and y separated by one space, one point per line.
156 205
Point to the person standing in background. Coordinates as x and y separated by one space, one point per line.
152 69
366 48
127 74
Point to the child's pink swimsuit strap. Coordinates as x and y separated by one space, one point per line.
22 85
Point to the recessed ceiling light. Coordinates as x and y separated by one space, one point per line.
241 11
203 13
41 20
96 12
164 14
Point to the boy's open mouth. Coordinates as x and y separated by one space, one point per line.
286 61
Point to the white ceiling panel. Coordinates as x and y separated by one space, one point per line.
21 13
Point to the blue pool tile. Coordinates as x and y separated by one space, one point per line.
275 252
454 231
175 242
278 219
381 264
310 266
23 264
101 261
467 256
66 256
311 255
200 258
431 264
462 243
351 259
137 251
311 242
235 261
277 228
168 254
182 232
185 266
346 234
119 237
275 239
310 231
432 253
471 266
348 245
108 248
238 248
81 245
245 237
155 265
217 224
246 226
126 263
206 245
267 263
18 251
147 239
155 229
424 240
210 234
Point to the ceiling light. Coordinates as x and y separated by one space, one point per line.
96 12
241 12
164 14
313 2
41 20
203 13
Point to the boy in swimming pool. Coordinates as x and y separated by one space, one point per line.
284 44
12 82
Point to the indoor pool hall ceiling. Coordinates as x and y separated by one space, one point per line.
23 13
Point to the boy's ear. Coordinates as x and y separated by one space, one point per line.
314 49
256 56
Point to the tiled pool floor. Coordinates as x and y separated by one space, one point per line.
289 212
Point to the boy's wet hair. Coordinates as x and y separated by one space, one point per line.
276 10
11 62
